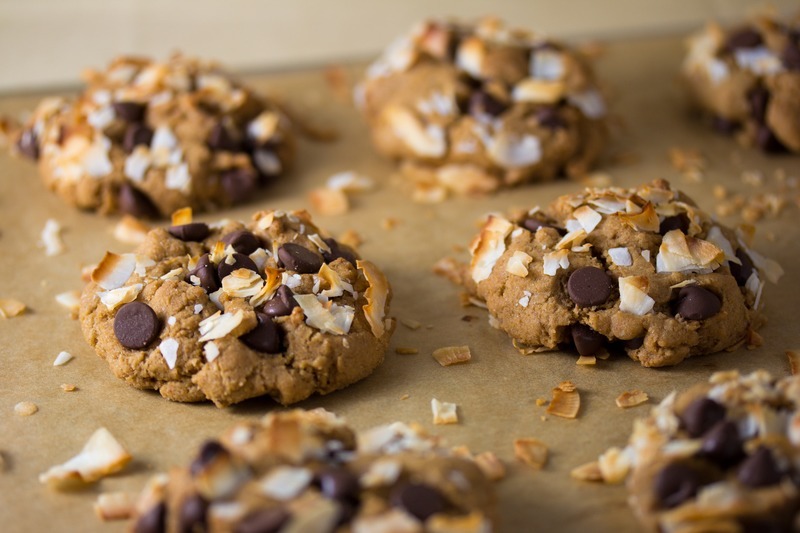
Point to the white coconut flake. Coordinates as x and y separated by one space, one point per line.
555 260
381 473
137 163
771 269
526 298
267 162
122 295
95 160
350 181
219 325
646 255
101 117
336 319
198 308
547 65
70 299
633 296
114 270
716 237
587 217
512 152
51 238
62 358
171 321
211 351
163 139
518 264
178 178
102 455
717 70
759 60
169 350
285 482
620 256
572 225
444 412
590 102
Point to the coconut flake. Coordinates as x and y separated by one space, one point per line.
51 238
62 359
424 140
633 296
376 295
242 283
516 152
10 307
771 269
219 325
335 320
488 247
211 351
716 237
169 350
531 452
114 270
102 455
518 264
285 482
680 253
116 297
526 298
350 181
620 256
137 163
443 412
758 60
555 260
70 299
382 472
587 217
591 102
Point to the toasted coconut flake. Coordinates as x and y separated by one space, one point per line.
452 355
217 253
424 193
684 283
794 360
351 238
26 408
404 350
679 253
350 181
131 230
68 387
114 506
182 216
425 140
51 238
771 269
102 455
620 256
329 202
321 244
586 360
62 359
474 522
518 264
530 451
382 472
450 269
71 300
645 220
392 521
538 91
268 288
566 401
11 307
242 283
571 239
411 324
633 296
285 482
631 398
489 246
443 412
116 297
587 472
719 240
219 325
492 467
336 285
614 465
552 261
587 217
114 270
335 320
376 294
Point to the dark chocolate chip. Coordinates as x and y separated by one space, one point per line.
757 100
136 325
338 484
264 521
680 221
193 231
743 38
129 111
192 518
549 117
28 144
697 303
742 272
281 304
206 273
701 415
239 184
483 103
265 337
298 258
633 344
533 224
338 251
760 469
209 451
136 134
722 444
418 500
725 126
243 241
588 286
135 203
791 56
239 261
347 511
752 524
675 484
153 521
221 139
587 341
768 141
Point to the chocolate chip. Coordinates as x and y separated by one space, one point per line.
136 325
153 521
264 521
722 444
757 100
338 484
742 272
221 139
725 126
28 144
587 341
633 344
209 451
129 111
589 286
768 141
418 500
483 103
265 337
760 469
281 304
791 56
697 303
206 273
338 251
701 415
134 202
680 221
192 516
675 484
243 241
743 38
239 261
193 231
136 134
752 524
549 117
298 258
239 184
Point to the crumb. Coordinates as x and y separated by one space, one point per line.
492 467
329 202
62 359
452 355
114 506
411 324
68 387
405 397
401 350
51 238
689 162
566 401
540 402
531 452
389 223
131 230
631 398
26 408
10 307
794 361
351 238
443 412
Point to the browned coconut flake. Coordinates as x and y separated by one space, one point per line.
452 355
566 401
530 451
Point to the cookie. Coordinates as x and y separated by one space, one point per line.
722 456
147 138
229 311
307 471
642 270
469 108
747 80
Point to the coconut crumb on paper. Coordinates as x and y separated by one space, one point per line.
26 408
631 398
11 307
566 401
531 452
444 412
51 238
452 355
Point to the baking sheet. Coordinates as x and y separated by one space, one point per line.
496 392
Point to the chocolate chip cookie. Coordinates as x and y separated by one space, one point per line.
468 108
642 270
722 456
307 471
147 138
230 311
747 79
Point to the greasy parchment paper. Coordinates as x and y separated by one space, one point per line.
496 392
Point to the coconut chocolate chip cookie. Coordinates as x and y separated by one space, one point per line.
747 79
472 107
307 471
230 311
641 269
722 456
147 138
